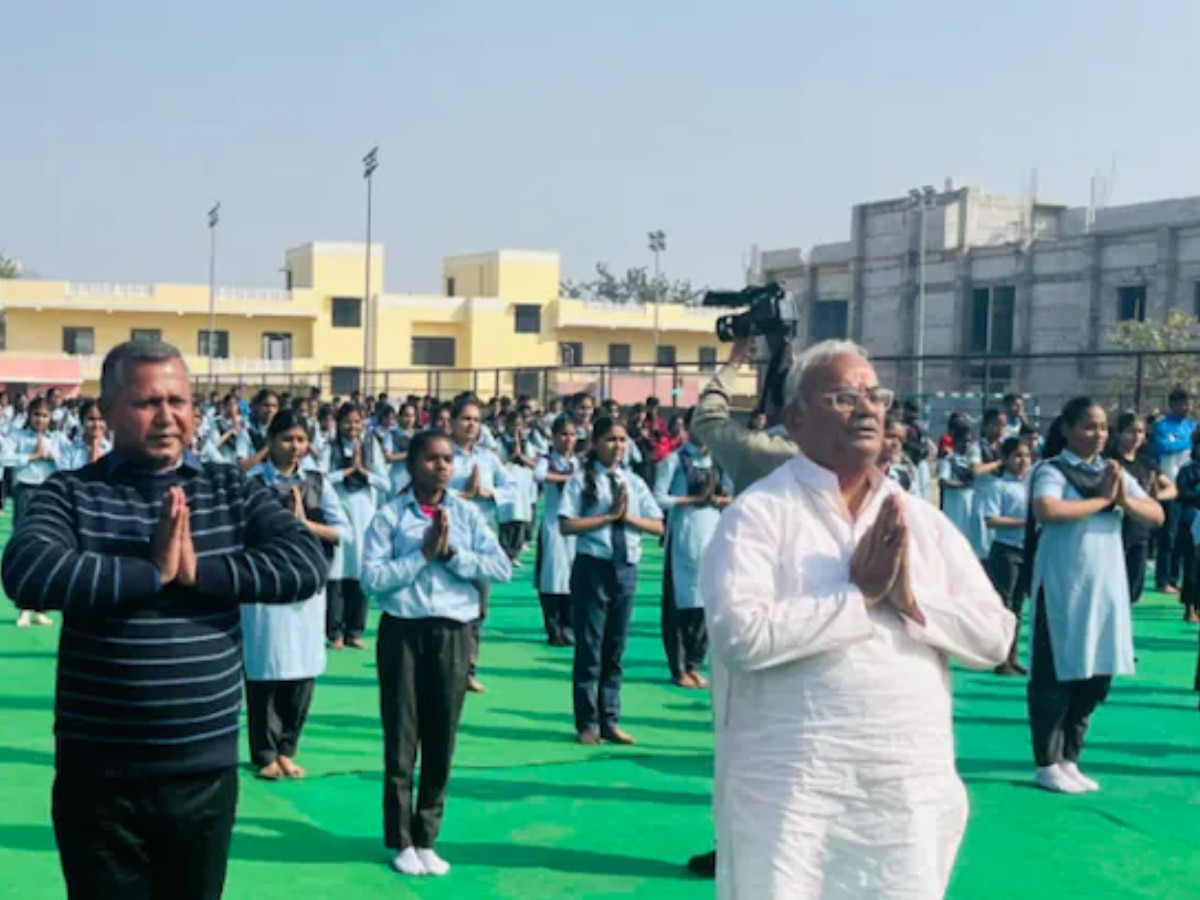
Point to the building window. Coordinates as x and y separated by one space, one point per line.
450 287
433 351
219 340
146 335
665 355
276 345
528 384
347 312
618 356
830 320
708 359
527 318
1131 303
993 316
571 353
79 341
343 380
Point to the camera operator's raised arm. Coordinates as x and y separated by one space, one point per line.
745 455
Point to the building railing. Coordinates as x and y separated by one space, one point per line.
110 291
254 295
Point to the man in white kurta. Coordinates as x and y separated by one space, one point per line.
835 767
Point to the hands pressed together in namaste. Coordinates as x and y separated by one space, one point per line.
879 566
171 549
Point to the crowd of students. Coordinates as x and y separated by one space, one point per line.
421 506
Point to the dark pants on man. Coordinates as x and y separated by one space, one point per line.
684 635
1004 565
275 715
1167 568
346 610
602 599
144 838
1059 711
422 666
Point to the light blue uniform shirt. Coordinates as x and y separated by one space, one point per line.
1081 567
689 528
77 455
22 445
492 476
286 642
407 585
1008 498
981 536
598 542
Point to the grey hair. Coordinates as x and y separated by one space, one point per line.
115 371
812 357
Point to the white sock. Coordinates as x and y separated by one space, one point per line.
1072 771
434 864
40 618
408 863
24 619
1054 779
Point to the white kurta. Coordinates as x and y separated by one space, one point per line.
835 766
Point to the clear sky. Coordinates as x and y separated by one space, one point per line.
555 124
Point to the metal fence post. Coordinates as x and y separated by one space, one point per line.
1139 381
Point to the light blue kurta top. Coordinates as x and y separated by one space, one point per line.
22 445
1081 567
492 476
983 485
1007 498
77 455
959 504
359 506
556 550
286 641
689 528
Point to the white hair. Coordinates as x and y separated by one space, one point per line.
812 357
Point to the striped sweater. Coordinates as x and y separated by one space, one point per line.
150 676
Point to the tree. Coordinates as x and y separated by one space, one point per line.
9 268
637 285
1168 358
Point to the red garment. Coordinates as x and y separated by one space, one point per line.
665 446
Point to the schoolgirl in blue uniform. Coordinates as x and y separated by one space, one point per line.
284 646
93 440
556 551
1082 624
428 554
1005 508
957 482
986 467
607 508
692 490
354 462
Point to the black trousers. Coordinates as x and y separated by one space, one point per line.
556 617
1171 540
422 666
684 635
602 605
164 838
476 628
346 609
1059 711
275 715
1135 569
513 536
1004 565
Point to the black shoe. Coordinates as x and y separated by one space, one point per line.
704 865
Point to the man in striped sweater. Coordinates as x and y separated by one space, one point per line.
148 553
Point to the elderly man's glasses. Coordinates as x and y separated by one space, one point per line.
846 400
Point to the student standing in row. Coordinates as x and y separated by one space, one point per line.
478 473
427 554
1130 452
556 551
986 467
1006 510
93 442
692 490
354 463
284 644
607 508
1082 625
956 481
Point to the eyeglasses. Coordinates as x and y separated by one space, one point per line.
846 400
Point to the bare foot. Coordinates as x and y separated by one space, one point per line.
271 772
290 769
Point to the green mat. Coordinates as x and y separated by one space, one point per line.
531 815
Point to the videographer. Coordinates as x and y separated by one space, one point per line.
744 455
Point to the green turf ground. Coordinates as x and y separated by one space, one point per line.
533 816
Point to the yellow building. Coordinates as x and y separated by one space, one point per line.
500 328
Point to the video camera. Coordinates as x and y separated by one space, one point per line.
767 313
